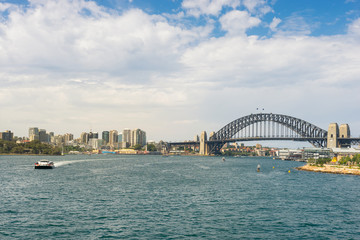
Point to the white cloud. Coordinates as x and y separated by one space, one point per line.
237 22
208 7
65 69
275 22
354 27
253 5
295 25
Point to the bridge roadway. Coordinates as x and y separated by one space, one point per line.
246 139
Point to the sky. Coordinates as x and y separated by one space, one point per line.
175 68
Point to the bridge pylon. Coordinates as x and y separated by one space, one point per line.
204 148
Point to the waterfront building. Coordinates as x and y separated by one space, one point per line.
7 135
33 133
105 137
344 152
113 137
289 154
126 136
138 137
120 137
317 153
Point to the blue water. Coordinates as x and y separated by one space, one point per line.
154 197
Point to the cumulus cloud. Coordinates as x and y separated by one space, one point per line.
237 22
69 65
354 27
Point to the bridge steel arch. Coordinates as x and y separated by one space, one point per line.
311 133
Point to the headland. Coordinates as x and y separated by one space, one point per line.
328 168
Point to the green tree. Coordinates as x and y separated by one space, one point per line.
137 147
151 148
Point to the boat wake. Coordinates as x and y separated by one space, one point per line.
63 163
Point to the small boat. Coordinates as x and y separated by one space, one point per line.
258 167
223 159
44 164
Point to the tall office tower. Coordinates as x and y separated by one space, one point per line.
34 133
126 136
43 136
105 137
113 137
135 136
138 137
95 135
120 137
84 137
143 138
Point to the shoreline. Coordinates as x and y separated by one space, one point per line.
334 169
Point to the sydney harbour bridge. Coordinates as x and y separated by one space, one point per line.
269 126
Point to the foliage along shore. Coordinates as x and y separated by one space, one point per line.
28 148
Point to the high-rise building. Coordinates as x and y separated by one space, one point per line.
43 136
105 137
138 137
113 137
126 136
120 137
68 137
7 135
84 137
34 133
93 135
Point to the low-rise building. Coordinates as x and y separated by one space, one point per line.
317 153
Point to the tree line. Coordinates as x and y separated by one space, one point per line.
33 147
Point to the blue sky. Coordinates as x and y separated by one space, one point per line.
176 68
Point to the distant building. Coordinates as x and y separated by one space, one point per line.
344 152
7 135
84 137
68 137
138 137
290 154
196 138
113 137
33 134
126 136
105 137
317 153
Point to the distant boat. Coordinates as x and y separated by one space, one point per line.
44 164
223 159
258 167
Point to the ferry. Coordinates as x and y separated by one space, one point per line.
44 164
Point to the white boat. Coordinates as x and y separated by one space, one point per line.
44 164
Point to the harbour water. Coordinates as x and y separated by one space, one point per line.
155 197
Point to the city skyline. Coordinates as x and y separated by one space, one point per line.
176 68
